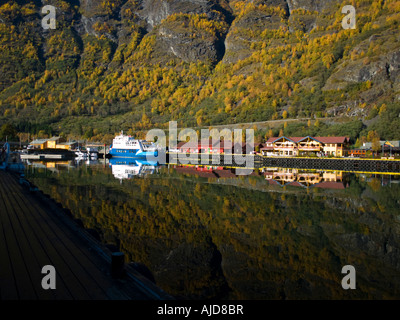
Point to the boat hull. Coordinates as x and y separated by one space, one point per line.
132 153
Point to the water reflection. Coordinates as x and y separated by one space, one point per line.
204 232
127 168
307 178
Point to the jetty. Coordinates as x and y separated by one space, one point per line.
342 164
36 232
258 162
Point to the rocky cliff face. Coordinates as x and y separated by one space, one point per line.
289 48
154 11
383 68
234 45
313 5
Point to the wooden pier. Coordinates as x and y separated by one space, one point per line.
43 157
35 232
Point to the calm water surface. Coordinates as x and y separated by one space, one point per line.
276 234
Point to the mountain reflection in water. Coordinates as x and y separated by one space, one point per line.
204 232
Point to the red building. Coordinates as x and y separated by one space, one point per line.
207 146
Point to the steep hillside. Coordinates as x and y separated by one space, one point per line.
134 65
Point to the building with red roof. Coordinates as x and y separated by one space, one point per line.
211 146
295 146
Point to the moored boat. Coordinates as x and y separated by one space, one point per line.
124 146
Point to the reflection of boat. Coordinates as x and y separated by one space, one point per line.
127 147
10 160
127 168
91 161
93 153
81 155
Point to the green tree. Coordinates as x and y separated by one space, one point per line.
9 132
376 144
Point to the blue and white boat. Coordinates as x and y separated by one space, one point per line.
128 147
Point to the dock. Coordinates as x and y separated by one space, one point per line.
340 164
257 161
42 157
36 232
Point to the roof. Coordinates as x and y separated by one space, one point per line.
297 139
39 141
67 143
272 182
319 139
296 184
393 143
188 144
309 137
207 143
330 185
53 139
192 170
225 173
332 139
293 139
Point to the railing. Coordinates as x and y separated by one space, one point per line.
309 148
284 147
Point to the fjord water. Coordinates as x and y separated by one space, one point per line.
221 236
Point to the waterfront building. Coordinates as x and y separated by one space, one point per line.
53 143
303 146
38 144
208 146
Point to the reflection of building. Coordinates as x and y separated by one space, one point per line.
52 165
282 175
296 146
206 171
304 178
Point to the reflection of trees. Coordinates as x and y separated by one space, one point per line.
200 238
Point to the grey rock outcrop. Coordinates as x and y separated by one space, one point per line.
385 68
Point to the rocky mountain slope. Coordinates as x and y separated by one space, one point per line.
136 64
